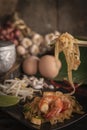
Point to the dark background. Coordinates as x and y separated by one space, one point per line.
45 16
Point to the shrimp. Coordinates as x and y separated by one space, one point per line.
56 108
45 102
51 104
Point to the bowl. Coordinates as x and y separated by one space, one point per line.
7 56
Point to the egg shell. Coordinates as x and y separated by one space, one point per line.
30 65
49 67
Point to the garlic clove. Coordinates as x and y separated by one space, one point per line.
51 86
34 83
38 86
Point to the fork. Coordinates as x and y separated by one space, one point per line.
79 42
82 43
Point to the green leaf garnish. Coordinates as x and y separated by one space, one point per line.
80 75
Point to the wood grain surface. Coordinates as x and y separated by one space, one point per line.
45 16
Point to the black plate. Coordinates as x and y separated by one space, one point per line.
17 113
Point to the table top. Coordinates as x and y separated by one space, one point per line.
9 123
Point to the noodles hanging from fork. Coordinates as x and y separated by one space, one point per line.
67 44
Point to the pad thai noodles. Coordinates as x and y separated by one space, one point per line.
67 44
52 107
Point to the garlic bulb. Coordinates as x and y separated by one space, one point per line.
34 49
26 42
21 50
49 37
56 34
37 39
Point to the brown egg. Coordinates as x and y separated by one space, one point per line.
30 65
49 67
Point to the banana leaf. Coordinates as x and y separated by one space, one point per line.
6 101
80 75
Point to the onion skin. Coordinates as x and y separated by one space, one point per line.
10 33
49 67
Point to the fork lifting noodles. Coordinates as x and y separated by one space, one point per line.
67 44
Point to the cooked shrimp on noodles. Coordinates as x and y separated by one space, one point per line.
52 107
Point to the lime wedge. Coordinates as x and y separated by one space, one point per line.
6 101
